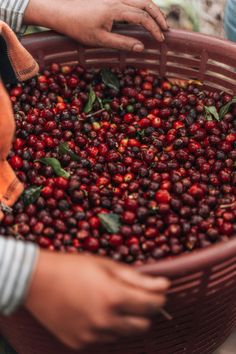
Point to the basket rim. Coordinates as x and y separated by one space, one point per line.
202 258
204 40
193 262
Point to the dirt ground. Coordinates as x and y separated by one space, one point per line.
207 15
212 17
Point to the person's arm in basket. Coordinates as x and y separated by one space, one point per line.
85 299
80 299
91 22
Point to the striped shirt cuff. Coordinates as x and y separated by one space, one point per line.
11 12
17 263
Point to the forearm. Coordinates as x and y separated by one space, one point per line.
43 13
12 11
17 263
62 16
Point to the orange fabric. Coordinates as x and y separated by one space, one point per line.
25 67
22 62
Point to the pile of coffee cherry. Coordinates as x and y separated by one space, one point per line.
122 164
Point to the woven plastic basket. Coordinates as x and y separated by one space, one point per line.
202 300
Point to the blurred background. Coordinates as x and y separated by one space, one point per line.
205 16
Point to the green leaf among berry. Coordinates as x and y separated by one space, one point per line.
140 134
64 149
226 108
56 166
91 100
110 79
31 194
111 222
211 113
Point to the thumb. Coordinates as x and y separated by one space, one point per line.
117 41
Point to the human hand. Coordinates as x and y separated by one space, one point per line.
91 22
85 299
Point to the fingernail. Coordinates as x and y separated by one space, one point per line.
138 47
162 37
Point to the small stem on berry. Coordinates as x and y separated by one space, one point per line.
165 314
228 206
95 113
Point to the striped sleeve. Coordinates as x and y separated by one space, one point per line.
17 263
12 11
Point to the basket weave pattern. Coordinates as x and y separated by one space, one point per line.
202 299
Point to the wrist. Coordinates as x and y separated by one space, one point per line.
59 15
40 281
